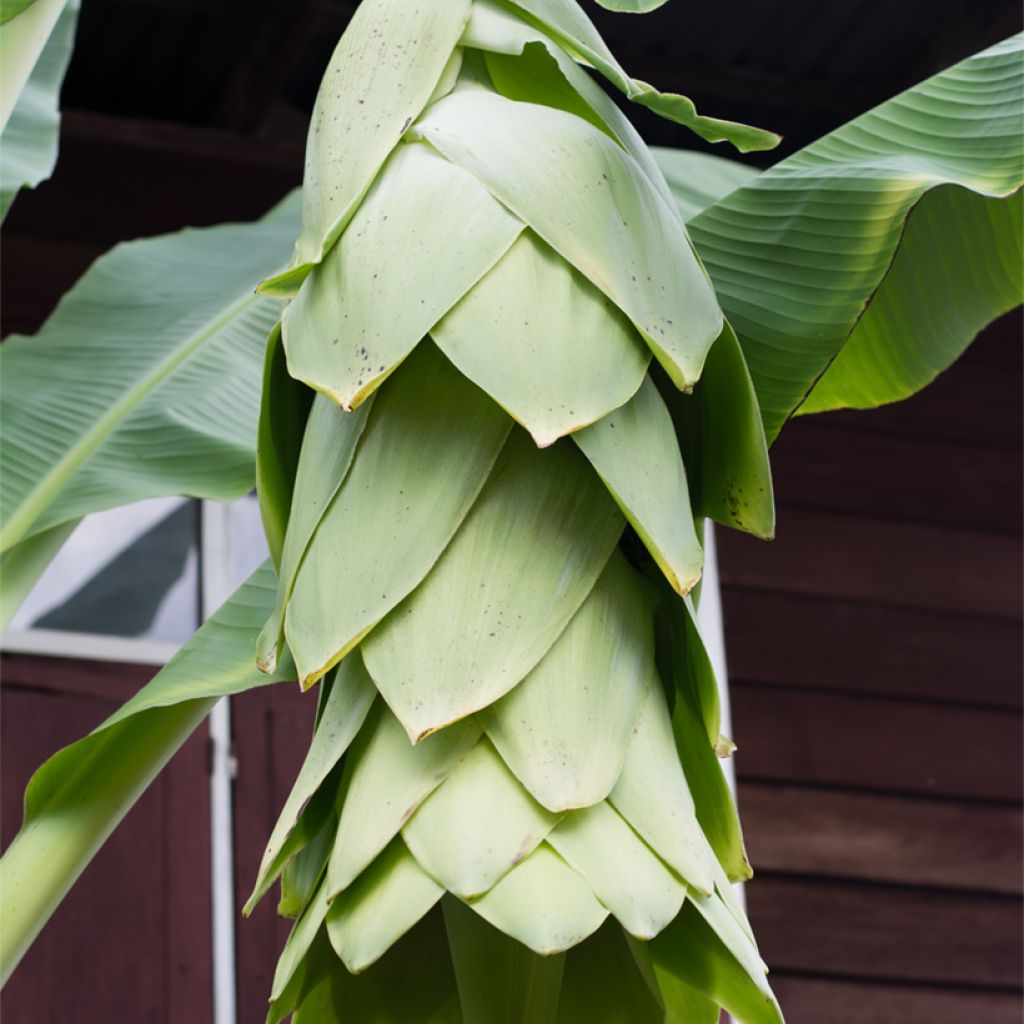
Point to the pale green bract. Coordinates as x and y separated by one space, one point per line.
512 808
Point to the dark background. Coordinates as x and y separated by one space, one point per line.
874 648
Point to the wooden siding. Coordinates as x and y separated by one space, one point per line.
875 663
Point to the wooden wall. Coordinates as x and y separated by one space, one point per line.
875 664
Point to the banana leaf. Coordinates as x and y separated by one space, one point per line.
145 381
79 796
858 269
34 53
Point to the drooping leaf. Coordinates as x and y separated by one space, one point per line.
690 951
544 343
284 408
304 868
167 400
477 826
543 903
699 180
594 205
22 565
383 903
653 796
386 779
431 441
500 980
567 23
324 458
809 256
632 6
964 247
722 438
300 939
34 54
623 872
526 65
384 69
636 454
522 563
565 728
77 798
352 692
603 983
378 291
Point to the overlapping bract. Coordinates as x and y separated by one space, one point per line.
515 704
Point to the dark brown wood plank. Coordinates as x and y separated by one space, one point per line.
900 564
104 680
938 843
821 464
897 652
815 1001
272 727
868 931
885 745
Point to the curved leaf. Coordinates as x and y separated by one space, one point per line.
34 54
632 6
565 728
799 254
348 703
79 796
698 180
636 454
427 450
544 343
653 796
622 870
384 903
525 559
543 903
386 779
477 826
383 72
12 8
378 291
566 22
595 206
167 400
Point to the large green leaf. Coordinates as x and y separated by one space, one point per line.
522 563
427 450
378 291
544 343
566 22
891 236
382 74
145 381
565 728
595 206
77 798
22 565
34 54
698 180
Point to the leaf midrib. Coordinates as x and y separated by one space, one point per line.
34 503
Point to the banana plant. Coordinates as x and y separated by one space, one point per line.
514 363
